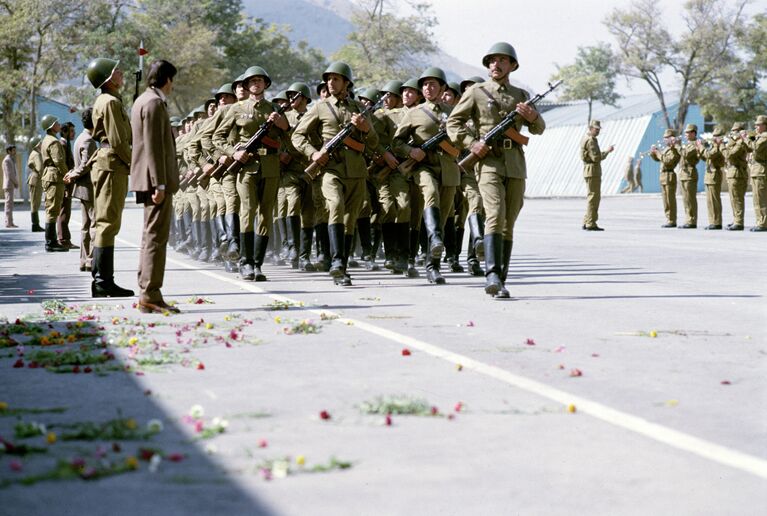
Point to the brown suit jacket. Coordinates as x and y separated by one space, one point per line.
85 148
153 160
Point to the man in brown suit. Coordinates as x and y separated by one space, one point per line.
154 178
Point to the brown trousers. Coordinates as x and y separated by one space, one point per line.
154 241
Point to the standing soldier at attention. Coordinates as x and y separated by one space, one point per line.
736 153
714 156
668 158
344 171
592 159
502 169
34 172
436 172
688 175
259 177
758 172
54 170
111 169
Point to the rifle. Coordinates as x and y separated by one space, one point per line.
255 142
314 168
438 140
505 128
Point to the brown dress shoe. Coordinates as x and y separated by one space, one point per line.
147 307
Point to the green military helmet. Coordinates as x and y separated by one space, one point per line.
237 81
34 141
282 95
255 71
100 70
454 87
225 89
504 49
340 68
175 121
432 73
691 128
392 87
370 94
302 89
412 84
48 121
199 110
718 131
476 79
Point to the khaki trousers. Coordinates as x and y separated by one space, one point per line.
593 197
434 194
110 189
35 197
502 198
343 198
759 189
257 196
737 187
9 206
714 203
669 197
689 193
394 196
231 197
54 196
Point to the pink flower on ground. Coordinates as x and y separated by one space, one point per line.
530 342
388 420
434 411
175 457
263 443
15 465
576 372
725 382
325 415
198 426
459 406
406 352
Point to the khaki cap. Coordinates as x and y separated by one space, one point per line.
596 123
761 119
668 133
738 126
691 128
718 131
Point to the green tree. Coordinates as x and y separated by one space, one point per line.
703 54
591 77
384 45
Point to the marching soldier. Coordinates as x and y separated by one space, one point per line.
411 97
436 174
258 179
54 170
758 172
111 128
714 156
344 171
669 158
34 173
592 159
688 175
736 153
502 168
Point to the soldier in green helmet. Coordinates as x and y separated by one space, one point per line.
411 98
758 173
592 158
344 171
198 195
669 158
452 94
436 173
258 180
736 153
714 156
476 79
54 170
34 173
110 172
502 168
688 175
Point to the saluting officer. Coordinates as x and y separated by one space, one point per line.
344 171
110 172
592 159
688 175
54 170
502 169
758 172
714 155
669 158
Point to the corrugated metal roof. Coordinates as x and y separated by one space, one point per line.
631 106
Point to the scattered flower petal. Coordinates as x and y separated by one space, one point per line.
571 408
324 415
576 372
406 352
725 382
263 443
300 460
470 324
15 465
530 342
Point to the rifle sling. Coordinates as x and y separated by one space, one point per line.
445 145
348 141
511 133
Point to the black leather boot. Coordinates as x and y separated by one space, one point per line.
423 244
346 280
186 240
455 264
261 242
293 232
388 230
449 239
215 240
432 272
36 228
323 247
103 268
205 240
305 258
247 242
195 248
377 235
414 236
507 246
51 240
434 232
493 260
221 241
366 242
401 249
281 238
233 236
337 243
477 235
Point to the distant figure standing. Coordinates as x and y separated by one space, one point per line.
638 175
10 183
736 153
592 159
67 134
688 175
628 175
80 175
714 155
758 172
35 181
154 178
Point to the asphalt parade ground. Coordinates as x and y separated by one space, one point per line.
625 376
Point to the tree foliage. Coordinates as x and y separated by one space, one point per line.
591 77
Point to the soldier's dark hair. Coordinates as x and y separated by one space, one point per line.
160 72
87 119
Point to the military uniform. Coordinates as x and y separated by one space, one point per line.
669 158
688 176
758 172
54 170
736 153
503 171
34 173
714 156
592 159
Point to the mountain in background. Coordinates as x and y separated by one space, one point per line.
324 24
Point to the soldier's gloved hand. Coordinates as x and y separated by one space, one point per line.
320 157
527 112
417 154
390 160
280 121
480 149
360 122
242 156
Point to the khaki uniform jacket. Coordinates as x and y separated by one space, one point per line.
34 167
758 167
85 147
243 120
54 160
320 123
10 179
736 153
669 159
714 156
486 113
111 129
206 135
298 161
690 158
153 160
193 151
418 125
592 157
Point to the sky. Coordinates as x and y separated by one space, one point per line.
543 32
